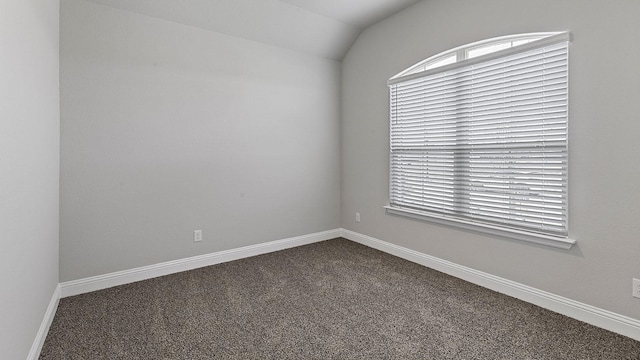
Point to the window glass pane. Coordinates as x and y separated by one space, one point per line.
523 41
487 49
441 62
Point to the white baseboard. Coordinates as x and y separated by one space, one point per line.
605 319
41 336
81 286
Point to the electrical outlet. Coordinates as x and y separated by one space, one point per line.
357 217
636 288
197 235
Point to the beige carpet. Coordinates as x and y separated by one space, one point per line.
331 300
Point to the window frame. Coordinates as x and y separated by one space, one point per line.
420 70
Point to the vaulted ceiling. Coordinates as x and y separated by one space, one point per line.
325 28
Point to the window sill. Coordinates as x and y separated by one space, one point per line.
557 242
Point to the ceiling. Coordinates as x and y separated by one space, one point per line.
325 28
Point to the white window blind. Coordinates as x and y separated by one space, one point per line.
485 140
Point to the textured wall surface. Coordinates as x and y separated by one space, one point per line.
603 168
167 128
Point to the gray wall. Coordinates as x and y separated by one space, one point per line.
29 148
167 128
604 147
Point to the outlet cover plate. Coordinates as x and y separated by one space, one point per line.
636 288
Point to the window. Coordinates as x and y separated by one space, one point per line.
478 138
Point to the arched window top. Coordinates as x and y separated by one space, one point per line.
473 50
